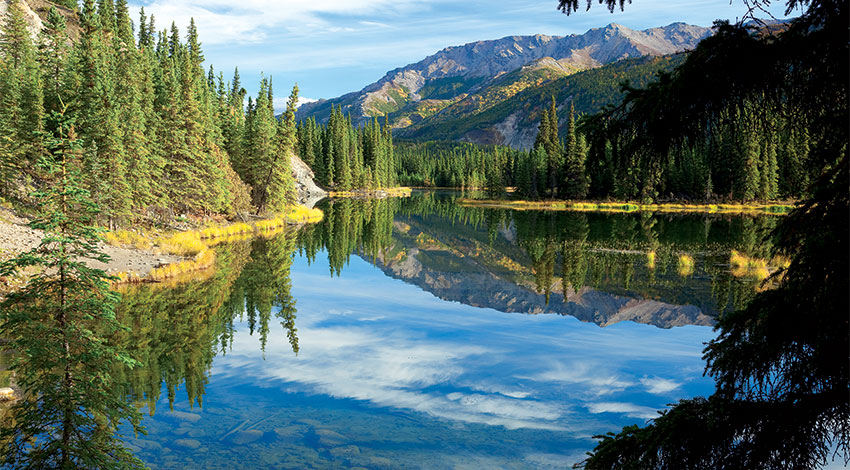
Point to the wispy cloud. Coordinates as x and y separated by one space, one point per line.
629 409
395 371
252 21
658 385
331 47
598 381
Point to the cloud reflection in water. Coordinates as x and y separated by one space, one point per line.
466 364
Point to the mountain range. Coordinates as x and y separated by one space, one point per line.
460 83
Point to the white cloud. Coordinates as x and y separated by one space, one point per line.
280 103
598 381
629 409
250 21
303 100
658 385
395 369
376 24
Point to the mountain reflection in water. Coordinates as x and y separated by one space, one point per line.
370 366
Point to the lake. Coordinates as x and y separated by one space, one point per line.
416 333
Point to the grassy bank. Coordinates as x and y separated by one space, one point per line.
628 207
196 245
401 191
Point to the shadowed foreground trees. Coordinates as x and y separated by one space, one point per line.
781 363
58 326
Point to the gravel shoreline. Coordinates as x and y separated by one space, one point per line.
16 237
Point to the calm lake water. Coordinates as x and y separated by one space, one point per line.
416 333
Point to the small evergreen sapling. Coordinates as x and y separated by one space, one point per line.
59 327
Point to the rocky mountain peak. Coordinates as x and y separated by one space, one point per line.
460 70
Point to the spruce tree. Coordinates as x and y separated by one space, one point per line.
553 150
281 185
59 327
575 178
543 131
21 95
101 129
53 56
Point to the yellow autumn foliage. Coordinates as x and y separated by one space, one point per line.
686 265
196 244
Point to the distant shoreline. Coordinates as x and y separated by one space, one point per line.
777 208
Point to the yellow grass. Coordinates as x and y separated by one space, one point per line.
296 215
187 243
628 207
128 238
745 266
203 260
686 265
226 231
303 215
196 245
650 260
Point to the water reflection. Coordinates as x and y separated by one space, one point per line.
390 376
175 331
668 270
382 372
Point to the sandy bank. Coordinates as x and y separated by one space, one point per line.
16 237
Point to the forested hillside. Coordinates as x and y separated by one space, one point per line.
511 119
157 134
476 76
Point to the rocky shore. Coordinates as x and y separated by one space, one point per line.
17 237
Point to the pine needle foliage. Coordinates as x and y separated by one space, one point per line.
59 326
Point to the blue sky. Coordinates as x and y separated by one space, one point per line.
331 47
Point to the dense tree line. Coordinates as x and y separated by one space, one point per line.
755 150
554 168
780 362
159 133
345 157
457 165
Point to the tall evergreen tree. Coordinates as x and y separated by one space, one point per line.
21 96
59 327
281 186
575 177
553 151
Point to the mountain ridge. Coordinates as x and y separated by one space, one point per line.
456 71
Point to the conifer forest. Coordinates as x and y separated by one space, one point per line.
596 242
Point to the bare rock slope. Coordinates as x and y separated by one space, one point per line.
309 193
458 70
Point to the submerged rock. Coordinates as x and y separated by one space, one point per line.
289 432
146 444
310 422
345 452
380 462
188 443
330 438
246 437
183 416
